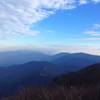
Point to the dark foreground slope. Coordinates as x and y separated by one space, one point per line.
81 85
87 76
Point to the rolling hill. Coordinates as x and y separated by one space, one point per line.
33 73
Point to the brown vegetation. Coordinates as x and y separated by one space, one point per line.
58 93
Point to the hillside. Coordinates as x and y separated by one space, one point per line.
33 73
81 85
87 76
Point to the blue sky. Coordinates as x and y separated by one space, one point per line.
50 25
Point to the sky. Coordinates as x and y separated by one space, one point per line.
50 25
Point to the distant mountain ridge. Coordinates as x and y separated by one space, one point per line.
74 61
66 60
21 56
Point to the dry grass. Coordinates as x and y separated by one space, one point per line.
58 93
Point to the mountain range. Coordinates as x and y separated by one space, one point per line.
9 58
66 60
83 84
28 68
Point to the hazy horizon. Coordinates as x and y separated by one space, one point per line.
49 52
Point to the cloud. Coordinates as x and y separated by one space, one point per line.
97 26
93 33
94 30
17 17
83 2
91 39
96 1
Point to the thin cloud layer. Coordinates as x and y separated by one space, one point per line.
94 31
17 17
